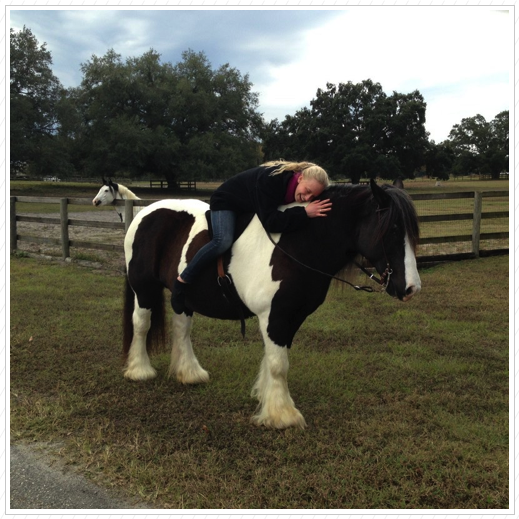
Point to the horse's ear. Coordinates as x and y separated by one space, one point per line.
380 195
104 181
114 186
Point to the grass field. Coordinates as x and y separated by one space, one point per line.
406 404
89 190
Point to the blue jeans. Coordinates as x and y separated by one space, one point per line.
223 223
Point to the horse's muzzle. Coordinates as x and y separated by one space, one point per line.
410 292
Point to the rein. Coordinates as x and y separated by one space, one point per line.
383 281
114 203
120 214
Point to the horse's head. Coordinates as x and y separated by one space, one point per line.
388 239
107 194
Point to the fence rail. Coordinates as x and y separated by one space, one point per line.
477 215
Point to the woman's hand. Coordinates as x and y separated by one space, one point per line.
318 208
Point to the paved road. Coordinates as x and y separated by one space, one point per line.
40 481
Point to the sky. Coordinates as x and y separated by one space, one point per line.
459 58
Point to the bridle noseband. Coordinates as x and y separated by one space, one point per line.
383 281
385 277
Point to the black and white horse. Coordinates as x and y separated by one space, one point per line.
110 192
379 223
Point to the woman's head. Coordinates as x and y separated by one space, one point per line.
314 172
312 182
307 189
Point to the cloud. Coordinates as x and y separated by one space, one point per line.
456 52
456 56
449 108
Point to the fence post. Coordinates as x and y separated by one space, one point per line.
476 222
64 227
14 241
128 213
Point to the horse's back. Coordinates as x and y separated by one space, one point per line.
194 208
191 206
161 234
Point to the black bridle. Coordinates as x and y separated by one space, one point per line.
383 281
114 195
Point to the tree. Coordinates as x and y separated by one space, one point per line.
499 153
34 95
217 124
178 122
481 147
355 130
405 136
438 160
123 108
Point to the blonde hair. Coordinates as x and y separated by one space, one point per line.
308 170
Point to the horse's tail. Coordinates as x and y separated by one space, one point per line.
156 338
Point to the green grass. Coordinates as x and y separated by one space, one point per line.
406 404
454 186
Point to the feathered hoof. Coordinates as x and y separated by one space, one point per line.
191 376
280 420
140 373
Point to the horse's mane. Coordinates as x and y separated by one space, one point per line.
125 192
401 207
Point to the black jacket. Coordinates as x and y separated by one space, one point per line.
255 191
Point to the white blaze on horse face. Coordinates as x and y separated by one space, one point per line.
413 284
103 197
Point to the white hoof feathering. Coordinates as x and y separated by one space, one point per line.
279 418
276 408
184 364
193 374
139 372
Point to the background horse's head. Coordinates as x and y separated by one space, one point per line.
388 238
107 194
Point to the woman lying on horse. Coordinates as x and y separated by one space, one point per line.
260 190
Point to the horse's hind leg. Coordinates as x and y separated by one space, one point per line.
276 408
184 364
138 366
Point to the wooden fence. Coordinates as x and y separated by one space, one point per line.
183 185
477 215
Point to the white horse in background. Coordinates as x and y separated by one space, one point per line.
110 192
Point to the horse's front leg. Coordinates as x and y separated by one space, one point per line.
276 408
184 364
